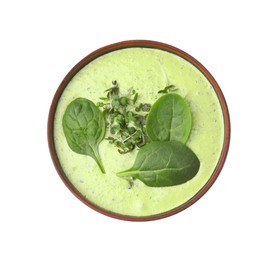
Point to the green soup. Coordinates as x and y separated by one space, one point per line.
147 71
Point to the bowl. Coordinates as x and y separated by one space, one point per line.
155 65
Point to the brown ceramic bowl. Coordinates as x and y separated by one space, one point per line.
144 44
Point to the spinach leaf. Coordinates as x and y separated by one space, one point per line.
84 128
169 119
160 164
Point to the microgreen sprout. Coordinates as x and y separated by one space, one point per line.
126 119
167 89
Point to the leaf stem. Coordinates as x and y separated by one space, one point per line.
100 164
98 160
130 136
126 173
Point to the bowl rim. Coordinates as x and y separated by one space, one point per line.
142 44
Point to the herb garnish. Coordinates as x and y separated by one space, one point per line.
167 89
125 119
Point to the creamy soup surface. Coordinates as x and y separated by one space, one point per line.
147 71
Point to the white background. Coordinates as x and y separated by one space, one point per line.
237 41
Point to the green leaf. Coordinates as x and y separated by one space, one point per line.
169 119
135 98
160 164
84 128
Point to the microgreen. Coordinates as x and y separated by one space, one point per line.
125 118
167 89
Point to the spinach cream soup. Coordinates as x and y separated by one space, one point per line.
147 71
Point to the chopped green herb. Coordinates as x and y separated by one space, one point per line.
124 101
168 89
145 107
135 98
126 120
104 98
